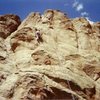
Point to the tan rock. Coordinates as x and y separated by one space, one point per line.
64 66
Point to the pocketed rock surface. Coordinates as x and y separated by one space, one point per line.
65 65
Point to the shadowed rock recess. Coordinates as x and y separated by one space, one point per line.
65 65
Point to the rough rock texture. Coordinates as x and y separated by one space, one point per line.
8 24
66 65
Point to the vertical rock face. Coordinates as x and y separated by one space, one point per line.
65 65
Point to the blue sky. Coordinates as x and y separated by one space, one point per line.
73 8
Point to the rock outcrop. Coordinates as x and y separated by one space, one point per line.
66 65
8 24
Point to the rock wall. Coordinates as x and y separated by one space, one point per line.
66 65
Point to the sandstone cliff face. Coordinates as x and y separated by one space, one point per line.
8 24
66 65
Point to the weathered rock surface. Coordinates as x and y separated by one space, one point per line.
66 65
8 24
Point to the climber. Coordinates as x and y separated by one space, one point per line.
38 36
97 76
